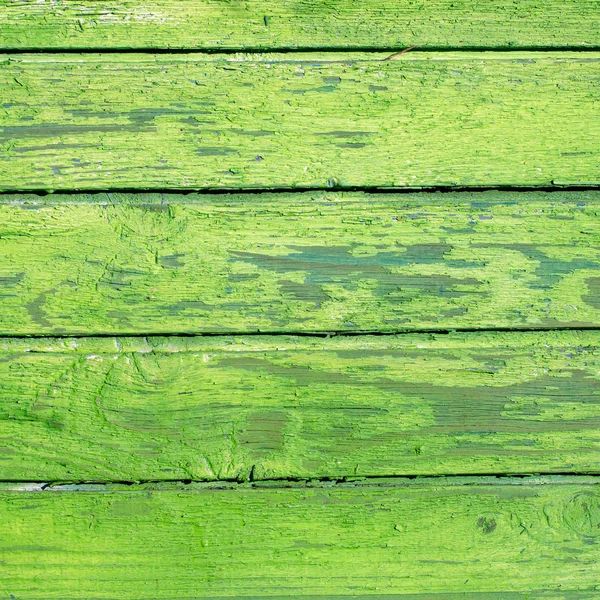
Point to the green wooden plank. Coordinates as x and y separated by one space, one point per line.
479 540
280 407
314 262
278 24
192 121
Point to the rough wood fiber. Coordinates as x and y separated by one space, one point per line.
278 24
242 121
156 263
480 539
265 408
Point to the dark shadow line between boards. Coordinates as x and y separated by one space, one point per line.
307 482
441 189
306 334
296 50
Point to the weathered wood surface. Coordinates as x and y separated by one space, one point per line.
191 121
279 24
268 408
479 539
314 262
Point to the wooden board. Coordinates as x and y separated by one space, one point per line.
129 409
160 263
278 24
192 121
478 539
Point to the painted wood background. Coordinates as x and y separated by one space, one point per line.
299 299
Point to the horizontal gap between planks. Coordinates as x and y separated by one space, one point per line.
305 334
290 50
300 483
443 189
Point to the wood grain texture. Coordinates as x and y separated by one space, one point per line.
277 408
314 262
480 539
279 24
192 121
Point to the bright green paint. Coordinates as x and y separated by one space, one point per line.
478 539
191 121
154 263
262 408
220 24
282 407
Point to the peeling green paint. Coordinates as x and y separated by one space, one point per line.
313 262
279 24
113 409
479 540
259 466
234 121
